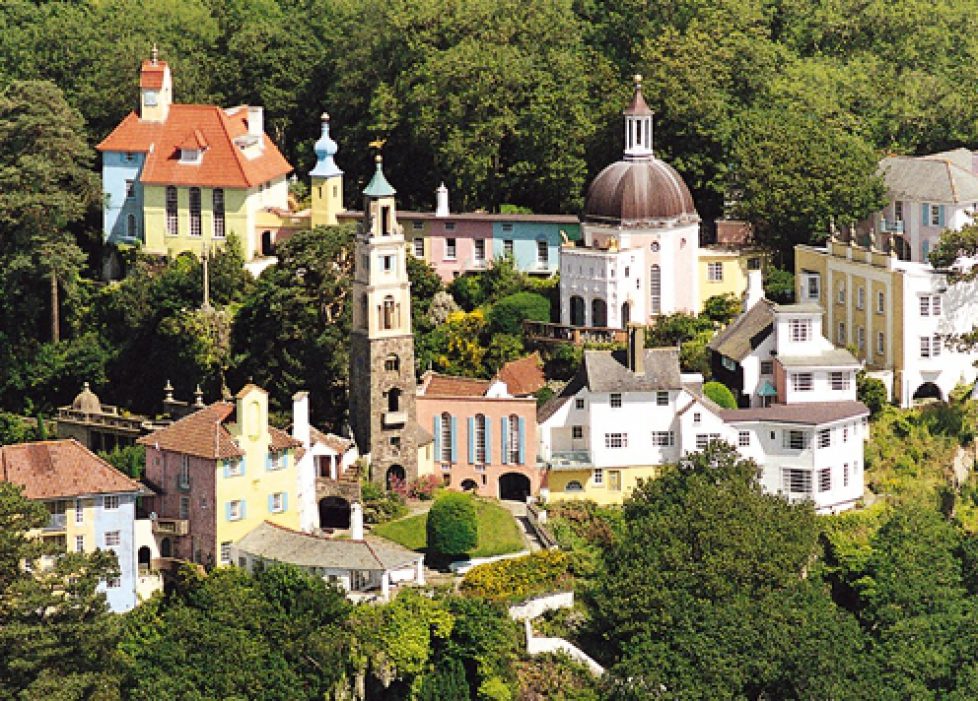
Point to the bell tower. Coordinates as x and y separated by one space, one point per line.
326 180
382 384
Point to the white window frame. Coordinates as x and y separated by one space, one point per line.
234 510
451 249
714 272
113 539
597 476
860 297
792 477
802 382
880 302
419 247
800 330
662 398
226 552
840 380
824 438
615 440
794 439
615 400
577 432
743 439
110 502
278 502
703 440
663 439
825 479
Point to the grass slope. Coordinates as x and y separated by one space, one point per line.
498 532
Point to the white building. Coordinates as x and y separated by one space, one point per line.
640 235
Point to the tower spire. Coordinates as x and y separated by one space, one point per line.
638 125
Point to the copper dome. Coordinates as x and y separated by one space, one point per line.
633 193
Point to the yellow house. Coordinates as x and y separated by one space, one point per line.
725 270
606 487
217 474
180 178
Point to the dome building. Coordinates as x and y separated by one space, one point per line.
640 231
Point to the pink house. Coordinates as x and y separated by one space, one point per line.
485 438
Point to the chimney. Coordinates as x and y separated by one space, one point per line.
441 201
636 348
755 289
300 419
256 121
356 521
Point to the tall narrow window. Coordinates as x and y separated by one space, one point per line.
218 206
131 226
171 211
387 317
514 439
446 437
655 288
195 211
480 439
543 253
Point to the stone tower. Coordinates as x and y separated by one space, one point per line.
382 384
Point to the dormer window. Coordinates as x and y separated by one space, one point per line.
151 98
800 330
191 155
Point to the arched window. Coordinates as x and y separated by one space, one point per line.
387 318
131 226
577 311
195 211
599 312
394 399
573 486
446 437
655 290
171 210
514 439
480 439
392 363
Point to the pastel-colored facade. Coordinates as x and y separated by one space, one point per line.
217 474
485 439
925 195
180 178
896 315
639 255
724 271
92 506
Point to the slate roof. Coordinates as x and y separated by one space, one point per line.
61 469
273 542
807 414
607 371
224 164
830 358
939 177
523 376
798 308
745 333
551 406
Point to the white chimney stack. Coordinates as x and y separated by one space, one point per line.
300 419
755 289
256 121
441 201
356 521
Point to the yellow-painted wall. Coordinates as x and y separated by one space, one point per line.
258 482
735 267
237 205
605 493
326 196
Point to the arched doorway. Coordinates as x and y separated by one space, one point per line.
469 485
395 476
143 558
576 311
514 486
599 312
267 244
928 390
166 548
334 512
626 314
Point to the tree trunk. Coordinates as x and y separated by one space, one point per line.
55 322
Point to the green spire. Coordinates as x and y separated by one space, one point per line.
378 185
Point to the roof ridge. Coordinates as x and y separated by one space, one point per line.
225 121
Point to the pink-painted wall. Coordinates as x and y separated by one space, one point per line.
494 410
465 235
163 471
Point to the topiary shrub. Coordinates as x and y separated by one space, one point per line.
507 315
453 527
720 395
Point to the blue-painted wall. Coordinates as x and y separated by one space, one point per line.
116 170
123 597
525 235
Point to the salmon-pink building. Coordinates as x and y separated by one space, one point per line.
485 438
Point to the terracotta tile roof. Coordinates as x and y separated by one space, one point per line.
201 434
193 140
151 75
280 440
434 384
60 469
224 164
523 376
337 444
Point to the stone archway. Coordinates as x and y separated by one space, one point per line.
334 512
514 486
166 548
599 312
395 476
469 485
267 243
928 390
577 311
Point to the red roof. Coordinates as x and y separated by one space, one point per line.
523 376
193 140
436 385
60 469
224 163
151 75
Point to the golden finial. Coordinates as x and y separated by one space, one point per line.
377 143
154 54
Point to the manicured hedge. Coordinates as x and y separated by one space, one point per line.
520 578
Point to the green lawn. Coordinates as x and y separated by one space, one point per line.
498 532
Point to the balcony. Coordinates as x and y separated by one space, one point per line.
578 335
570 460
171 526
56 522
394 418
892 226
